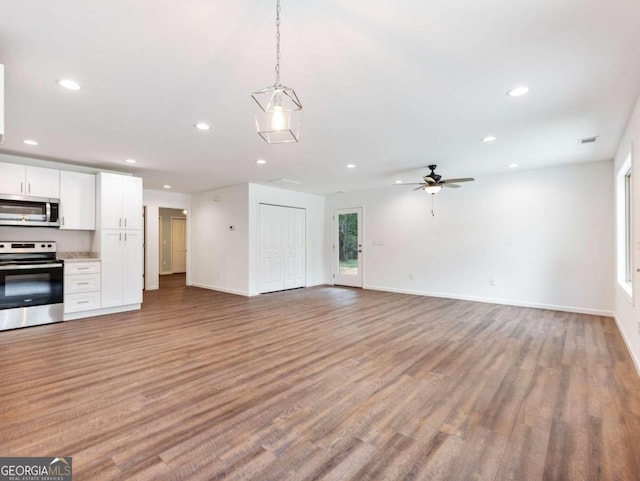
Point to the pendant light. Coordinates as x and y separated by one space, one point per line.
279 112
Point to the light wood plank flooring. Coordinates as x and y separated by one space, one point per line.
323 383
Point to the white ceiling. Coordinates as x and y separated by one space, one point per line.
388 86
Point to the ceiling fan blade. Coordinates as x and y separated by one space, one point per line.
420 188
457 181
452 186
429 180
410 183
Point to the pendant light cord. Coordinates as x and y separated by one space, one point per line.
278 43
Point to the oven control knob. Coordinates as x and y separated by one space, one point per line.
42 245
49 245
1 246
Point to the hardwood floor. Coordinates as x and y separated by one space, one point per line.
323 383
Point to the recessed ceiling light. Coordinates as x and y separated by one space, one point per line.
261 161
202 126
69 84
29 142
166 186
351 166
131 161
513 166
398 182
518 91
489 138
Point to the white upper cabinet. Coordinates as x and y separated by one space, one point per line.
12 179
132 202
16 179
77 201
119 201
42 182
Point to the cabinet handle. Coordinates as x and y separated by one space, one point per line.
83 302
21 187
119 221
83 283
125 237
62 220
29 184
83 268
120 236
125 222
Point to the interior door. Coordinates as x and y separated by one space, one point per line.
178 245
348 247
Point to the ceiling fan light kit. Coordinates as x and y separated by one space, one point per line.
279 110
433 183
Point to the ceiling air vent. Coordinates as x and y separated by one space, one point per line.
588 140
284 181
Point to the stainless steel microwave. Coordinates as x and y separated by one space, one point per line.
29 211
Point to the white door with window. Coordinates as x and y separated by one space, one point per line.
281 247
347 247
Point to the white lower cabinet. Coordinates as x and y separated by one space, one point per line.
81 286
121 254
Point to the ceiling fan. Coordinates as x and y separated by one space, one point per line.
433 183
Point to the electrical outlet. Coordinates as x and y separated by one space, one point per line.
411 276
492 281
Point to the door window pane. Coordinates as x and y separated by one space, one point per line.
348 244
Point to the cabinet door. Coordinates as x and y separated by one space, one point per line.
132 202
42 182
77 201
132 274
111 253
12 179
110 201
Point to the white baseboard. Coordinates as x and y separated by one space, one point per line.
505 302
221 289
636 361
72 316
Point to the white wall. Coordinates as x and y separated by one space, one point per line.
315 206
153 200
219 255
545 236
627 315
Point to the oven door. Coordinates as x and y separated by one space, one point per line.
27 285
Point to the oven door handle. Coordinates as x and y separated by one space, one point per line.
33 266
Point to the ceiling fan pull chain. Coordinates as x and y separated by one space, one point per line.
433 197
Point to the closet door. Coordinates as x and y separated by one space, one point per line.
271 252
282 248
294 264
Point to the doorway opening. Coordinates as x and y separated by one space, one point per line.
172 249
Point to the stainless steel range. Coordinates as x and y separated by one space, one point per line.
31 284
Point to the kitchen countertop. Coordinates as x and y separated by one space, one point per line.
77 256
